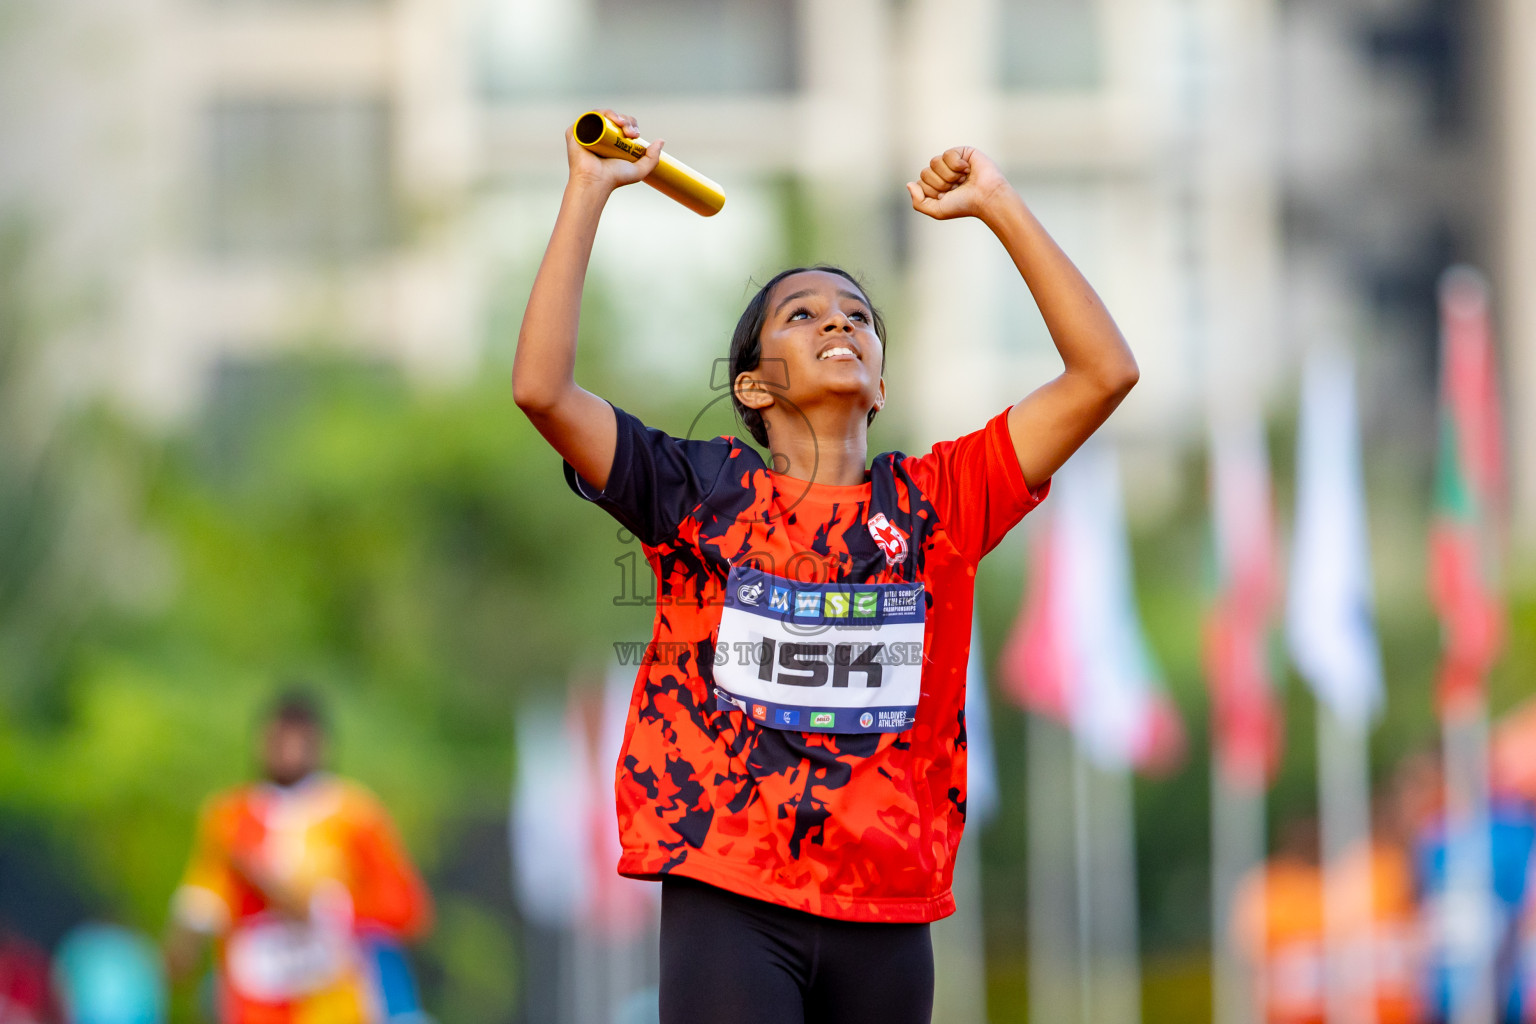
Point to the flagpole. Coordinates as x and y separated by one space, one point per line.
1053 921
1344 802
568 980
1237 847
960 978
1081 823
1469 858
1116 945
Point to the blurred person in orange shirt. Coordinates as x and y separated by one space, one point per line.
293 877
1277 927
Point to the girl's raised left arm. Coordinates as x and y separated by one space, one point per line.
1051 422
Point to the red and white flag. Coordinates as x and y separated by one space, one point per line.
1245 717
1077 653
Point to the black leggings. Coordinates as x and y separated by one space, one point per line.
729 959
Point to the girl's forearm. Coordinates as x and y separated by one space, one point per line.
544 366
1085 335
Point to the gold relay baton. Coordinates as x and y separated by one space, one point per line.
672 178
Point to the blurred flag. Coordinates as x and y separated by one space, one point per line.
1463 543
551 817
981 765
1245 716
1329 620
1077 653
622 906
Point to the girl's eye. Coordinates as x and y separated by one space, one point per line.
859 314
797 314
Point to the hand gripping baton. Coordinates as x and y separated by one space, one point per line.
672 178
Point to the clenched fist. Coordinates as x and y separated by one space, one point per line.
959 182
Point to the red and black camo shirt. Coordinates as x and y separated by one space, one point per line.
857 827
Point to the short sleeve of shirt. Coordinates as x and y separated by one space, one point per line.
977 487
203 900
656 479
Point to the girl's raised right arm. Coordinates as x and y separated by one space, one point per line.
579 425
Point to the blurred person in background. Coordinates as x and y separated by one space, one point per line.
1502 914
25 995
107 974
304 888
1277 928
1514 778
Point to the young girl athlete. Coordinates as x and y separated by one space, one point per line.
793 767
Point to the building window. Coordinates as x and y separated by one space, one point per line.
298 178
1050 45
625 47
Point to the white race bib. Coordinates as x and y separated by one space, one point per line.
820 657
273 960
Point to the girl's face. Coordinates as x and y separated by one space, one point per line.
820 335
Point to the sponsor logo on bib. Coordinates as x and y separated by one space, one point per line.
750 593
808 604
837 605
866 719
902 602
865 603
786 716
778 600
760 712
823 719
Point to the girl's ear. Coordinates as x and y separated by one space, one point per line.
880 398
752 393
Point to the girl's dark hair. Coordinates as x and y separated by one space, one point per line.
747 347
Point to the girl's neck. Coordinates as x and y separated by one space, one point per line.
832 453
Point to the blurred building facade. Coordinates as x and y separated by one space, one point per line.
218 178
215 180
